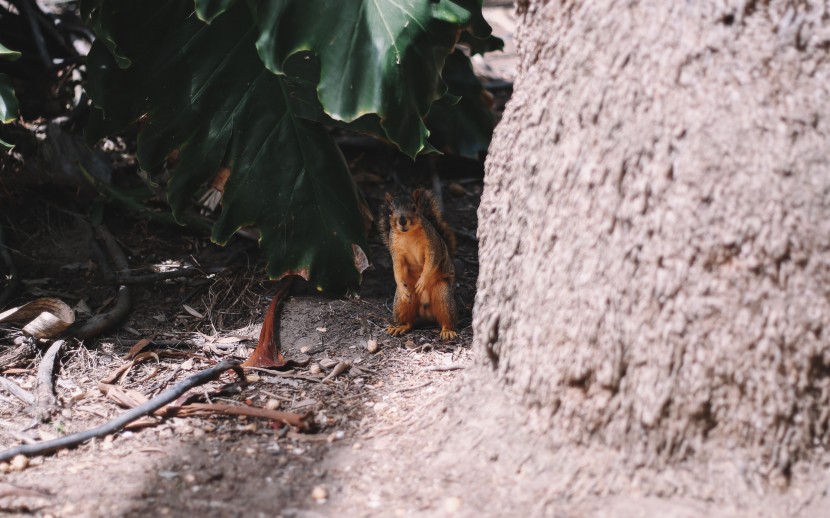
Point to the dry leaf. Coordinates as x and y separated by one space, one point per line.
138 347
192 311
48 317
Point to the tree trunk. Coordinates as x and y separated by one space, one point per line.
655 229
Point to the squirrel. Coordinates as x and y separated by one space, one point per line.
422 245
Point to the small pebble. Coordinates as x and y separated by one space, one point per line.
304 349
314 368
335 436
107 444
319 494
5 467
252 378
190 478
19 463
272 404
372 346
452 504
357 446
198 433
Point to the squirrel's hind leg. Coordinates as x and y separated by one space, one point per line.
443 307
405 313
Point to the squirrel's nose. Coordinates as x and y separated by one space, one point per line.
402 221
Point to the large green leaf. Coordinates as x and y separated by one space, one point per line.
205 91
7 53
462 124
8 101
379 57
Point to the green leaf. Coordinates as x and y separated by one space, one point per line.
462 124
7 53
8 101
207 10
205 91
379 57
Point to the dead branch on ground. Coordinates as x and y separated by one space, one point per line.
163 276
13 357
45 401
443 368
300 421
17 391
166 397
100 324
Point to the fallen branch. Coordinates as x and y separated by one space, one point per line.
300 421
17 391
162 276
12 278
443 368
99 324
24 350
45 401
409 389
168 396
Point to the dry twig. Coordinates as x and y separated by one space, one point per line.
99 324
168 396
12 357
162 276
300 421
17 391
45 400
443 368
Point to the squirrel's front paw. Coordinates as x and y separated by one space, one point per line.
448 334
398 330
420 286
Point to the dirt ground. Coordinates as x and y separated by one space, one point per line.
350 463
224 466
393 435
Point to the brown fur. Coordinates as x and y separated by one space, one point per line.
421 244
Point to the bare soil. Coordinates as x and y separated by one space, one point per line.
224 466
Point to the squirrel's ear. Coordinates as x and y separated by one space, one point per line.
388 198
416 195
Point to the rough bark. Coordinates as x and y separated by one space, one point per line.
655 229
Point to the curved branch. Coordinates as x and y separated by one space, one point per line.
101 323
168 396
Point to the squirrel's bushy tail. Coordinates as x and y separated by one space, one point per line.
428 207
